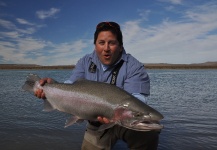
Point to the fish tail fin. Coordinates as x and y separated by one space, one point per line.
30 82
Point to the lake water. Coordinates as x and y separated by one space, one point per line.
187 99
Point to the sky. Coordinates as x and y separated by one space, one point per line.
60 32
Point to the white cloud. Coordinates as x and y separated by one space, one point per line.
144 14
191 39
23 21
36 51
9 35
169 8
67 53
7 24
42 14
27 30
175 2
15 42
186 41
31 50
30 44
12 28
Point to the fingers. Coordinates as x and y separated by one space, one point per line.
40 94
42 82
106 120
43 95
103 119
45 80
100 119
49 80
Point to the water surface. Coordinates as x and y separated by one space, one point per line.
187 99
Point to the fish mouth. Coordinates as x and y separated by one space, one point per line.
144 125
148 125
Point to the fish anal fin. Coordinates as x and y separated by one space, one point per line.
72 120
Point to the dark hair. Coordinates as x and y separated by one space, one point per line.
109 26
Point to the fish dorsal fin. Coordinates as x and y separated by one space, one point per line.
47 106
72 120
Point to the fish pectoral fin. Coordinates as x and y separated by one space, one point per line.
47 106
72 120
106 126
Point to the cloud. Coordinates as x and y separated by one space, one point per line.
7 24
68 52
21 41
17 41
191 39
28 49
35 51
144 14
23 21
175 2
11 27
42 14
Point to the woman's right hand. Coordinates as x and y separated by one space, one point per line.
39 93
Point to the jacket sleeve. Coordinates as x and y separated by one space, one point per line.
78 72
137 80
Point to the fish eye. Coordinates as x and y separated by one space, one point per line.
137 114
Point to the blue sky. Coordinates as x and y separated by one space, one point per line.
59 32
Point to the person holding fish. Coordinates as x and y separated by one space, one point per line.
110 63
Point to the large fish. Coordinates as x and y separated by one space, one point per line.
86 100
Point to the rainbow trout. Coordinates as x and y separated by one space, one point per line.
86 100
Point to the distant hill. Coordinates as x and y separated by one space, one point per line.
206 65
33 66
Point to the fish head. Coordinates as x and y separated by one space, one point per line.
139 119
141 122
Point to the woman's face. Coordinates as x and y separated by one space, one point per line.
108 48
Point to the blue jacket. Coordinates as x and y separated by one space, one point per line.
132 76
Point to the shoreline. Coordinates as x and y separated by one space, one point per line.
147 66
